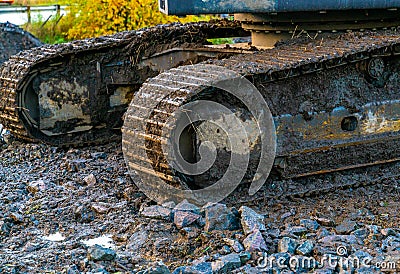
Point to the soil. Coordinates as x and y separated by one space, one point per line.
87 193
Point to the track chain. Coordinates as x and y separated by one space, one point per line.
19 69
289 60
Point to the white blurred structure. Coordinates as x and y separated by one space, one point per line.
23 14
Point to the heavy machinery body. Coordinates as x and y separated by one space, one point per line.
178 7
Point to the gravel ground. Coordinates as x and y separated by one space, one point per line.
78 211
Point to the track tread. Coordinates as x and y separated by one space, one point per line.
299 56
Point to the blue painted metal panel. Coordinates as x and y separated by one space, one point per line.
182 7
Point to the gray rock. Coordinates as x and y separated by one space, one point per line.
251 220
349 239
36 186
16 218
100 208
185 218
323 271
245 257
200 260
216 256
220 217
346 268
311 225
323 232
297 230
310 235
156 212
226 264
234 244
361 233
76 165
190 232
73 270
201 222
346 227
186 206
225 250
99 155
325 221
157 268
389 232
201 268
99 253
161 243
287 245
138 239
5 227
255 242
84 214
273 233
305 248
362 213
170 205
374 229
287 215
90 180
390 243
281 271
99 270
329 263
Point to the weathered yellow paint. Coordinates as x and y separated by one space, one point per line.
376 119
70 100
121 96
377 123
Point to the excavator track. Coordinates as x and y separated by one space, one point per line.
334 100
76 93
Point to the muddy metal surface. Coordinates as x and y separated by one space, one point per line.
53 201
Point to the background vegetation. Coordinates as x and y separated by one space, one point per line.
91 18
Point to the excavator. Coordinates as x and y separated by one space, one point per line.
315 92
